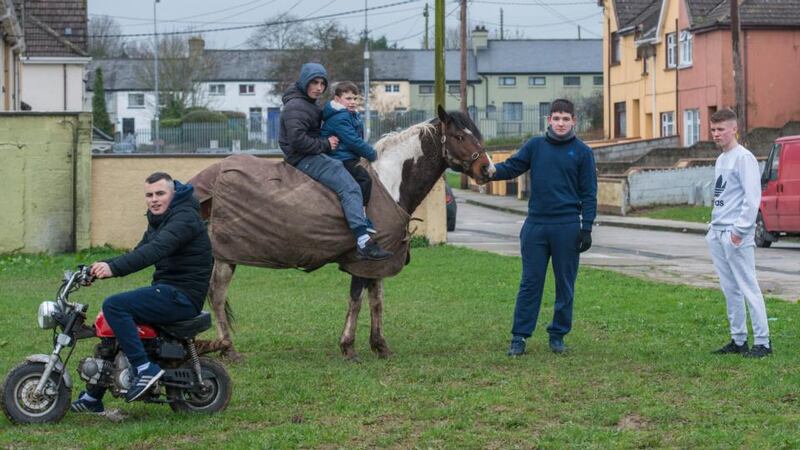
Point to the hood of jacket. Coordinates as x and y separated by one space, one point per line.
332 108
308 72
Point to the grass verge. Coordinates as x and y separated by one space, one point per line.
685 213
638 373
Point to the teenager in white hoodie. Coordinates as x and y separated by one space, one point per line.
737 194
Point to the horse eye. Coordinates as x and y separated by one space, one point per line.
459 137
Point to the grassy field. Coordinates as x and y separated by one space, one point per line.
700 214
638 373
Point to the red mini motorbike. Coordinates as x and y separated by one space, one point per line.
39 389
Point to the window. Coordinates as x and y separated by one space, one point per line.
537 81
686 48
691 127
773 163
667 124
644 65
135 100
572 81
512 111
671 48
216 89
544 111
597 80
255 119
426 89
507 81
620 120
247 89
454 89
491 112
616 49
391 88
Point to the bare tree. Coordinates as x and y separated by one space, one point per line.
276 34
180 72
104 40
452 39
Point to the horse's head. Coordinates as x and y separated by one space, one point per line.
462 145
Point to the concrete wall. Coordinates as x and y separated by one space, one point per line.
667 187
53 87
118 206
631 151
611 195
44 178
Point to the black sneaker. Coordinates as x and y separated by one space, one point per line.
732 347
517 347
759 351
143 382
557 345
86 406
373 252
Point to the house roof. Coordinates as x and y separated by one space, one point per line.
240 65
752 13
118 74
541 56
418 65
53 28
628 11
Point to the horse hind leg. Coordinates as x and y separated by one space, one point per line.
347 341
376 339
221 278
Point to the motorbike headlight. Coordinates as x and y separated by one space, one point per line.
46 311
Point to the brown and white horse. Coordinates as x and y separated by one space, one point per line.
409 164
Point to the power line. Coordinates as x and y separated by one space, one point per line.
282 22
537 25
489 2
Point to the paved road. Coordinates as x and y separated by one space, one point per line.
657 255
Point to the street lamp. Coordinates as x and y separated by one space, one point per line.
155 71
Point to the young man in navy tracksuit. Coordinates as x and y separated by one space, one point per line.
561 210
341 119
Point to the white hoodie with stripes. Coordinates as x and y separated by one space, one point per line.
737 192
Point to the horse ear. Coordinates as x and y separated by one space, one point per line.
443 116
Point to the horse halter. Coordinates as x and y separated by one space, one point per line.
454 163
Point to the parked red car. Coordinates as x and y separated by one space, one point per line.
779 214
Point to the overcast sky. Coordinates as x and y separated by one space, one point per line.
402 24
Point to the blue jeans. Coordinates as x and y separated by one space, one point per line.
540 242
332 174
152 305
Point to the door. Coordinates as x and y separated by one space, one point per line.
544 111
620 120
128 127
789 188
273 122
769 189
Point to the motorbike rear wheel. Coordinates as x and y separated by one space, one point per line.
22 406
219 389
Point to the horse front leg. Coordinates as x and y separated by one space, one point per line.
221 278
347 341
376 340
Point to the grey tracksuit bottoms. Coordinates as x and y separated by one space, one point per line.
736 267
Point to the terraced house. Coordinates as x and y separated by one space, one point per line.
668 65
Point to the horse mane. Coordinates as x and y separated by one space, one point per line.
394 138
463 121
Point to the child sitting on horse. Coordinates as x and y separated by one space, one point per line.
341 119
304 148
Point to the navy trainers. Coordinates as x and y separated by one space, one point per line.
517 347
86 406
143 382
557 344
759 351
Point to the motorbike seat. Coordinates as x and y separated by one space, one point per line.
187 329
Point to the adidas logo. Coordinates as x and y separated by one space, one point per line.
719 187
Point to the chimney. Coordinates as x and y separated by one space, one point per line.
480 38
196 46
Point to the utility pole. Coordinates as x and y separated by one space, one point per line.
366 76
425 14
438 51
501 24
155 71
738 69
579 32
463 89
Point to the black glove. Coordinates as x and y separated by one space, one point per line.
584 241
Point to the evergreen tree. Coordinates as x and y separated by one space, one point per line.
99 113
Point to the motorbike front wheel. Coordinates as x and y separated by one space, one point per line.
217 394
21 404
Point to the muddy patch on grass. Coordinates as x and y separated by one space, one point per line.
632 422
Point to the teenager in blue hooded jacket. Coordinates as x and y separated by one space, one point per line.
341 119
304 148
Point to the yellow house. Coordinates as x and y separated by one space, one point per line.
640 68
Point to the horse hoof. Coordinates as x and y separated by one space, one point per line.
231 356
385 354
353 359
